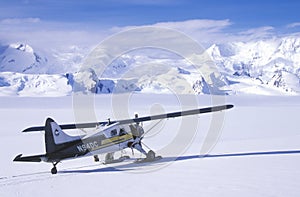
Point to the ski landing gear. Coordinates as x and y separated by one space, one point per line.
109 158
54 169
150 157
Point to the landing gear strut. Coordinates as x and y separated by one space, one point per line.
54 170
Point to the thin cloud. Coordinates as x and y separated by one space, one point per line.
256 33
55 35
293 25
192 25
187 26
48 35
202 30
259 30
16 21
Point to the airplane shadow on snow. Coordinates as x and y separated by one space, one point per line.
132 166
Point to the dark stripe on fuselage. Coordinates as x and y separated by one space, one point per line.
70 149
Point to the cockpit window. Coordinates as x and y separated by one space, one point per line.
122 132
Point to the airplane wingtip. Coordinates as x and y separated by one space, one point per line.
18 157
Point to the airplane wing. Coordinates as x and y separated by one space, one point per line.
141 119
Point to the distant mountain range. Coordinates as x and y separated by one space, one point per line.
269 67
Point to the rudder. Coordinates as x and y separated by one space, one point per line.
55 137
49 139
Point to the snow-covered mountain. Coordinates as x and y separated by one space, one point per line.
273 64
22 58
270 66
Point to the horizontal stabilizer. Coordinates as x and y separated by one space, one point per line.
142 119
34 158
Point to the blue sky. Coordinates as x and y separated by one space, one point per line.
259 17
242 13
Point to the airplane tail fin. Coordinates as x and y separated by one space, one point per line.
55 136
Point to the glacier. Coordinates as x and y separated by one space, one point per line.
256 155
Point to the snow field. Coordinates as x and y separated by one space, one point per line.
257 153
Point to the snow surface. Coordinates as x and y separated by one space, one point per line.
258 153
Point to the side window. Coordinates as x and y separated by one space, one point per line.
113 132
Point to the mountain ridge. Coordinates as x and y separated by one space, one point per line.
270 66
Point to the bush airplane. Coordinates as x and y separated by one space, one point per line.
110 137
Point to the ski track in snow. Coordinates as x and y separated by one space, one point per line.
75 171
